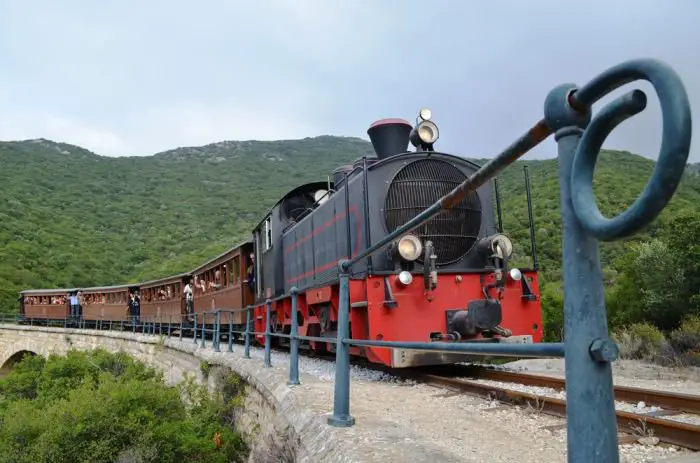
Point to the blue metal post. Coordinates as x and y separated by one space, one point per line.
246 352
590 404
194 330
230 331
204 326
180 334
268 334
341 398
294 342
217 332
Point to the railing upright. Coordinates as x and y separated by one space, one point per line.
230 331
217 331
294 341
268 337
194 329
204 326
341 398
246 352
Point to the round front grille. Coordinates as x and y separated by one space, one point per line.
415 188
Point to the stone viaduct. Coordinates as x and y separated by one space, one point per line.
282 423
277 428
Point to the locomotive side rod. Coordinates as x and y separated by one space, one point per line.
536 135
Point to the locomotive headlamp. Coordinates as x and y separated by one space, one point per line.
409 247
497 245
405 278
424 135
428 132
515 274
500 245
425 114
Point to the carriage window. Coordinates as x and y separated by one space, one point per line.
268 233
223 280
236 271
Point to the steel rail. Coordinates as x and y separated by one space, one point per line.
669 400
668 431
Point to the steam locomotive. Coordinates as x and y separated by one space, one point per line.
448 280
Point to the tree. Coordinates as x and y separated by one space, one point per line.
660 279
99 407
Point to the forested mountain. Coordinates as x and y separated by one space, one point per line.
72 218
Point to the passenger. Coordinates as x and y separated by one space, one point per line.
81 303
216 284
130 307
137 306
189 301
251 274
74 307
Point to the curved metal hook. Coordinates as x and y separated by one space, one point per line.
675 145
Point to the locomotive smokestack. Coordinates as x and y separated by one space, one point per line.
389 137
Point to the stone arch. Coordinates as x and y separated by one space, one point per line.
15 358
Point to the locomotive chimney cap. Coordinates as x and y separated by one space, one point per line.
389 136
391 120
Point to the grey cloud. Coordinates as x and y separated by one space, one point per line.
138 77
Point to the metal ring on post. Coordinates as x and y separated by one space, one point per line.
675 145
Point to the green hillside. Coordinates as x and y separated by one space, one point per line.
73 218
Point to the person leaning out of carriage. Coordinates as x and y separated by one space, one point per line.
134 306
251 274
189 300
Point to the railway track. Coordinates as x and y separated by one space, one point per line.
634 425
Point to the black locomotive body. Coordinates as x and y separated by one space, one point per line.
306 233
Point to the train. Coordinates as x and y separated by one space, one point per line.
447 280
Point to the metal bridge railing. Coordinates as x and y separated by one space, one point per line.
591 424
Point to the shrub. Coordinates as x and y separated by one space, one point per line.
685 341
99 407
640 341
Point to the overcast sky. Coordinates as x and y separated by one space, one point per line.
127 77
